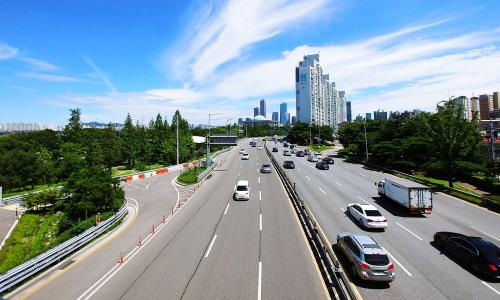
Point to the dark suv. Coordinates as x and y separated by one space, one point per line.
300 153
275 149
328 160
288 164
322 165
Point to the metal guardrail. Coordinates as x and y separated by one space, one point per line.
19 199
336 279
37 264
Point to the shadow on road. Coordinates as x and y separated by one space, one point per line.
395 209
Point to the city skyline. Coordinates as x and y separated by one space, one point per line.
380 63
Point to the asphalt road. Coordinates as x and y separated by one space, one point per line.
421 270
213 248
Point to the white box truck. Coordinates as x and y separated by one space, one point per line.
414 196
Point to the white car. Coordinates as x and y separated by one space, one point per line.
294 150
287 153
242 151
259 148
312 158
245 156
367 215
242 191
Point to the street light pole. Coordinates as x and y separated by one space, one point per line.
208 137
366 141
177 117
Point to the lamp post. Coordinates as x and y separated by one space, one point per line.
208 136
177 118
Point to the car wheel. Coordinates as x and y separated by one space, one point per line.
438 243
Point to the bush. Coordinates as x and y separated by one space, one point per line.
190 176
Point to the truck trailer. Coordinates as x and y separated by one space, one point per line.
416 197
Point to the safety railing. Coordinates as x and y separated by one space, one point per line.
18 274
337 280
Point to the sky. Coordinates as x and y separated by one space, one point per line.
110 58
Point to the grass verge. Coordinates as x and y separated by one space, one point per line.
120 171
28 189
191 175
316 148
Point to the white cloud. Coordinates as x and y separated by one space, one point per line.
39 64
100 74
48 77
7 52
221 35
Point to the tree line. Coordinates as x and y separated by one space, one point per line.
442 144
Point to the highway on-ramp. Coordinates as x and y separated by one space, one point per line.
422 271
212 248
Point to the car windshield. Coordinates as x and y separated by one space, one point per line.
241 188
373 213
377 259
266 166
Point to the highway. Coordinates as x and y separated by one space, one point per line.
421 270
212 248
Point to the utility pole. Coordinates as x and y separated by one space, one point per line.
208 136
366 141
177 117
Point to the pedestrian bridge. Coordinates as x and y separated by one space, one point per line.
223 140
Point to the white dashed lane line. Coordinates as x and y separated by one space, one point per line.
360 198
340 184
210 247
308 177
411 232
324 193
491 288
227 207
398 263
491 236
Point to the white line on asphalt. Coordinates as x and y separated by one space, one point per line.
299 169
498 293
322 190
360 198
343 210
308 177
241 167
234 189
227 207
410 231
340 184
311 166
399 264
260 196
210 247
486 233
239 174
347 168
259 292
259 179
322 173
260 222
363 175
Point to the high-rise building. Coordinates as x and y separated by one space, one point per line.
262 110
380 115
275 116
464 102
359 118
342 107
283 109
240 121
310 90
485 106
474 107
255 111
294 120
368 116
349 112
496 100
288 120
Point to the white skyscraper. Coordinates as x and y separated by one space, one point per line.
310 91
343 107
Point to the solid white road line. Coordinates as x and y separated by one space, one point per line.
399 264
260 195
259 179
259 292
308 177
491 288
486 233
363 175
343 210
210 247
347 168
227 207
322 173
324 193
360 198
340 184
410 231
239 173
260 222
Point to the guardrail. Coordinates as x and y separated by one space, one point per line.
336 278
37 264
19 199
205 173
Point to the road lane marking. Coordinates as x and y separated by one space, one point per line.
299 169
486 233
260 195
340 184
410 231
234 189
210 247
241 167
239 173
227 207
399 264
360 198
259 292
343 210
308 177
347 168
489 286
260 222
324 193
259 179
363 175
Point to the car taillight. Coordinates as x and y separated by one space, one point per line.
390 267
370 220
384 220
364 266
492 267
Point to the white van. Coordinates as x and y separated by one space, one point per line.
242 191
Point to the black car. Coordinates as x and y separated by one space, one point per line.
322 165
288 164
300 154
481 255
285 145
275 149
328 160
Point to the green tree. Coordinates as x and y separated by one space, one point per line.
73 131
128 142
111 147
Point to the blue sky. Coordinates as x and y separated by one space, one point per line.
113 57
